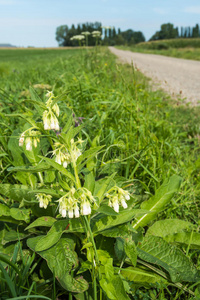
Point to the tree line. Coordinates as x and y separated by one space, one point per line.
168 31
109 35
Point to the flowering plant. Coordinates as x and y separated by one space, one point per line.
85 225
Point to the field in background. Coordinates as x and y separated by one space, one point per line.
180 48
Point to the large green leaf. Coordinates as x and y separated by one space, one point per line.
4 210
187 238
62 261
114 288
102 222
56 231
174 231
20 214
137 275
8 236
131 250
157 203
157 251
42 221
16 192
169 226
32 169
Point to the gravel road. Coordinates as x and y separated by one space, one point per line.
178 77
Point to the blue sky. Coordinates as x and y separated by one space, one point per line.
33 22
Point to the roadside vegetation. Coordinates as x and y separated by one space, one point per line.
99 181
180 48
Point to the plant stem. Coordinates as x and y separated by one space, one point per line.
96 259
92 239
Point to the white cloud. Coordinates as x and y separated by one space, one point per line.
192 9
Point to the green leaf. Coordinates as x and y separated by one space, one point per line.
56 231
104 185
114 288
102 222
59 168
62 261
4 210
163 228
188 238
20 214
137 275
42 221
16 151
87 156
89 182
131 250
38 104
119 249
157 251
32 169
8 236
157 203
16 192
107 210
118 231
68 124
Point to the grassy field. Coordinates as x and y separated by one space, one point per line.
180 48
130 138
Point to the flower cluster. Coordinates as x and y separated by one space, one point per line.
96 33
77 37
118 197
30 138
64 156
76 203
50 115
43 200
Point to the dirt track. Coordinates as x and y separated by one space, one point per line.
178 77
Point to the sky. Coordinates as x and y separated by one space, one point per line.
33 22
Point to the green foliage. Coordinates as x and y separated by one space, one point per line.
131 139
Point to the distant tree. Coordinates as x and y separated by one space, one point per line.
196 31
64 33
167 31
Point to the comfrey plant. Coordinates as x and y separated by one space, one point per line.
78 200
94 237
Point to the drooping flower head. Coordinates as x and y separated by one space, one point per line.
43 200
117 197
76 203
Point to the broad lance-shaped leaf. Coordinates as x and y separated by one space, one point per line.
62 260
103 222
56 231
16 191
163 228
157 203
42 221
157 251
137 275
174 231
131 250
32 169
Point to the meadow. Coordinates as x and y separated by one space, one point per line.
99 181
187 48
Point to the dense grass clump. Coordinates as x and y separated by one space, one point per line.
131 137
